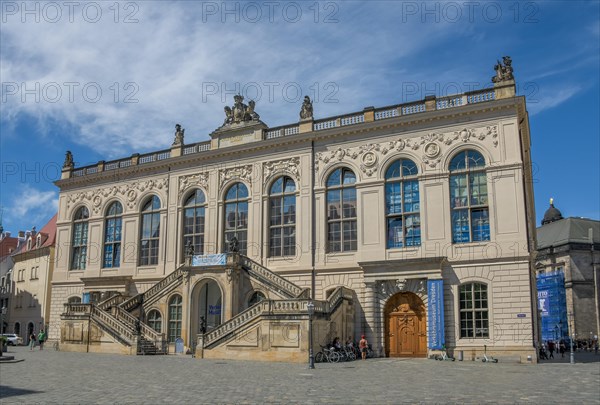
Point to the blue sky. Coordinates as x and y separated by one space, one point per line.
161 63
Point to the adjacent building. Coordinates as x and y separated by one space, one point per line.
567 271
8 245
412 224
31 275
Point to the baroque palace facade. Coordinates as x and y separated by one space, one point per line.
412 224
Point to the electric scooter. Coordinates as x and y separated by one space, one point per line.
486 358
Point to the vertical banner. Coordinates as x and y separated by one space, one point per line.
435 314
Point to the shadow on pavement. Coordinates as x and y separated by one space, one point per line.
6 392
580 357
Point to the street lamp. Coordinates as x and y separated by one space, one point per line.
556 332
572 354
2 312
311 358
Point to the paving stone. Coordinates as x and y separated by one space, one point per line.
60 377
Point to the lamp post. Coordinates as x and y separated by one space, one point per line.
2 312
572 354
311 358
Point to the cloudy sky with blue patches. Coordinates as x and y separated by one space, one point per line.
106 80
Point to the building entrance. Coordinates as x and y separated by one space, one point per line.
405 319
208 306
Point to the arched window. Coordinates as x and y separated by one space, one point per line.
17 329
80 235
474 320
236 217
402 204
174 318
469 198
194 211
154 320
150 234
74 300
256 298
341 211
112 235
282 214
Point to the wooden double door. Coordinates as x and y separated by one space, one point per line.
406 333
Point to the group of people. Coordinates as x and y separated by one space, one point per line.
41 338
362 345
549 347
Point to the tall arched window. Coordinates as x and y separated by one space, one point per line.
402 204
194 211
469 198
174 318
341 211
282 214
112 235
474 319
236 217
154 320
80 235
149 238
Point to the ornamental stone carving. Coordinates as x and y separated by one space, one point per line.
239 172
198 179
289 166
504 70
129 192
240 112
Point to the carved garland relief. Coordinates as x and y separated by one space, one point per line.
288 166
239 172
198 179
368 156
129 191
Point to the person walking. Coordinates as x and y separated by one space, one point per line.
561 348
31 340
41 338
551 349
363 345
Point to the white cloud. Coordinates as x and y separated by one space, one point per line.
31 206
170 56
550 97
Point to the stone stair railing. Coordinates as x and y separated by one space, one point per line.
337 297
285 287
105 319
264 307
111 302
131 321
154 292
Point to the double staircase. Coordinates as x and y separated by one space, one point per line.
119 316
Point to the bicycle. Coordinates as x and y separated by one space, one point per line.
327 354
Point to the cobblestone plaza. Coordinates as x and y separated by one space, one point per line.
59 377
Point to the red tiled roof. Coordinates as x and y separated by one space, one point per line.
48 233
8 246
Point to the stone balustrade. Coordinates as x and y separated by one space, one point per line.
390 112
285 286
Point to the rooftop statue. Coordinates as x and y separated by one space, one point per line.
307 109
179 133
504 72
68 164
240 112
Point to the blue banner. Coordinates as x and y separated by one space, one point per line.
209 260
435 315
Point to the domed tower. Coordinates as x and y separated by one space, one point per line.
552 214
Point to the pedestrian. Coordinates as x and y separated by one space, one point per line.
551 349
31 340
41 338
561 348
362 345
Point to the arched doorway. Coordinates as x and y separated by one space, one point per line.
207 305
406 326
